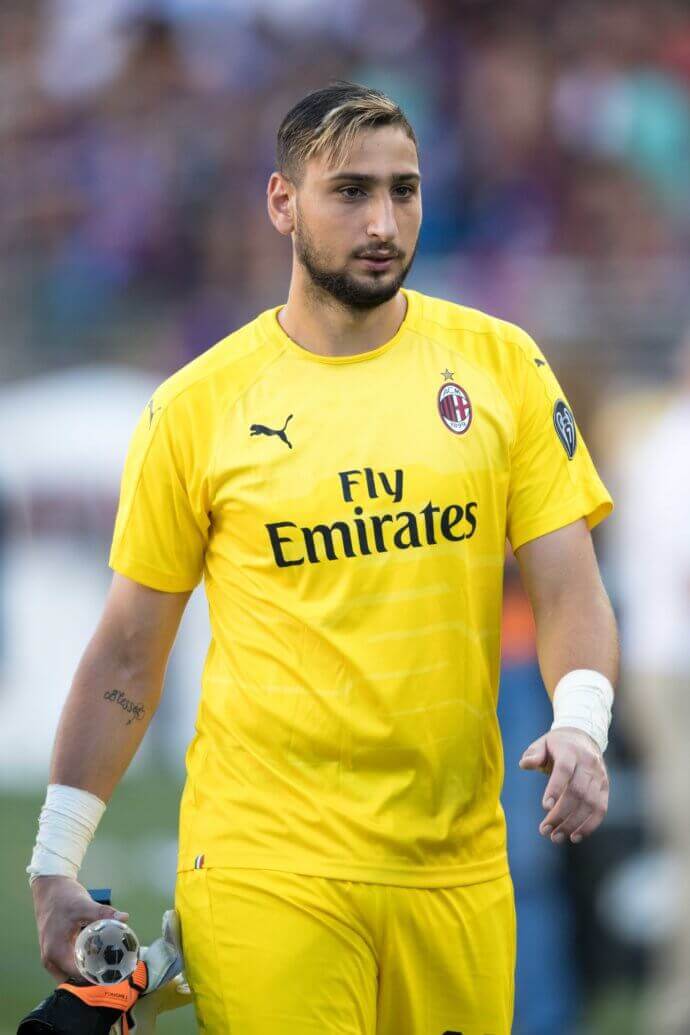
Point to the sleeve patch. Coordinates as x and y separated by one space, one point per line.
564 423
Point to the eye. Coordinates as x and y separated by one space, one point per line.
407 188
357 192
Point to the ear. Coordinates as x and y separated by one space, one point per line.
280 203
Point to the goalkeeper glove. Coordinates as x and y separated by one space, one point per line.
167 988
127 1008
86 1009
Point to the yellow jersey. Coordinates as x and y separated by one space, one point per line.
349 517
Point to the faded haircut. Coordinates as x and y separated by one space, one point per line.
326 122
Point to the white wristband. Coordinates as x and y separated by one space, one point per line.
66 826
583 699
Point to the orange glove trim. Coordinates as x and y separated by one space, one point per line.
121 996
139 977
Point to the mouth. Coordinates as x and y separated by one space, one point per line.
374 262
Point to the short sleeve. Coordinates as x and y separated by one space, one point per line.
553 480
163 518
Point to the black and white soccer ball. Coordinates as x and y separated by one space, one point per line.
106 951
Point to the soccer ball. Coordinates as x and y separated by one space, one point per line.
106 951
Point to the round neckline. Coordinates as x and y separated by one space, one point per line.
276 333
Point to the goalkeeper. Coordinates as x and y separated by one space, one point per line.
343 472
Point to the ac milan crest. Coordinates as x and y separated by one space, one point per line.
455 407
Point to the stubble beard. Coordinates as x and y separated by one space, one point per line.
339 285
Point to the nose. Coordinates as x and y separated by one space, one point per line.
382 223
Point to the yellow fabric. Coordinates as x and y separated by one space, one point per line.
347 725
303 955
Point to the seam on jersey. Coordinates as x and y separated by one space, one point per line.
571 467
583 503
144 458
458 326
215 370
240 395
519 415
209 374
496 324
166 409
485 332
127 560
461 326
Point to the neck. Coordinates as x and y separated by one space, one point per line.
321 324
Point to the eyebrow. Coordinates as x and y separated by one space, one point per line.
354 177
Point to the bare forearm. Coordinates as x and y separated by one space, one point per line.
103 721
577 630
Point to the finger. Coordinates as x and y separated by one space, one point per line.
589 826
116 914
535 756
595 818
591 798
563 770
60 949
108 912
577 817
86 911
569 801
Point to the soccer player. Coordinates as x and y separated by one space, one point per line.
343 472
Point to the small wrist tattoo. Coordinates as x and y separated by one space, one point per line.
135 711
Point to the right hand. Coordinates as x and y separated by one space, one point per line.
63 907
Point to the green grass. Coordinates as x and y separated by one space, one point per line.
134 854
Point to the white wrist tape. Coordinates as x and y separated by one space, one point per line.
66 826
583 699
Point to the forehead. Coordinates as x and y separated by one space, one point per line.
381 152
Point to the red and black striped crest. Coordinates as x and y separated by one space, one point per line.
454 407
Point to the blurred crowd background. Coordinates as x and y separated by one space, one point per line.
136 140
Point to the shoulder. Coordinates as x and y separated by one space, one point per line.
463 327
220 374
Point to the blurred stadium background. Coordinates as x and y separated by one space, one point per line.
136 139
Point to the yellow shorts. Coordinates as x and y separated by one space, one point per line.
273 953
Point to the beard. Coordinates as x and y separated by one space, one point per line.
351 292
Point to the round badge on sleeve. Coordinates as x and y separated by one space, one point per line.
454 407
564 423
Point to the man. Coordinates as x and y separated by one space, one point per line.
344 471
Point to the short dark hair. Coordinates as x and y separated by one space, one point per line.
326 122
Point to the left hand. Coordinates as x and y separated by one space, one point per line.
577 794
